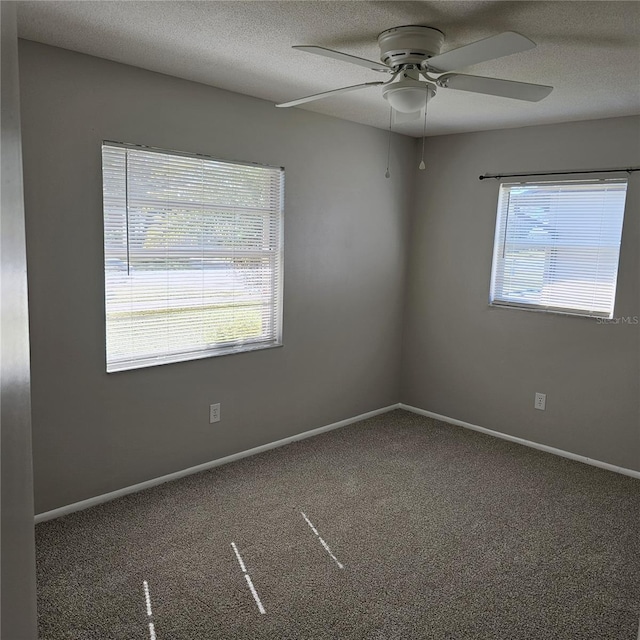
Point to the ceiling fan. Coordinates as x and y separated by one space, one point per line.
410 52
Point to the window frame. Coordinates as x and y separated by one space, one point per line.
496 303
276 275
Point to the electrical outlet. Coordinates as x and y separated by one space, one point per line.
540 402
214 413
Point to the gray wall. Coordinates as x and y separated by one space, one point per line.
345 238
17 560
466 360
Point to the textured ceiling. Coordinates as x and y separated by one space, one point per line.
589 51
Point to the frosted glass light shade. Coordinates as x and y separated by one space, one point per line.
408 96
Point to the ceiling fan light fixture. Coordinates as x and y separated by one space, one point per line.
408 96
413 51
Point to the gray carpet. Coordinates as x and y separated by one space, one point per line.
444 533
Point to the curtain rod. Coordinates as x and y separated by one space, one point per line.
497 176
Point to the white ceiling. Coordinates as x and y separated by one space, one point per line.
589 51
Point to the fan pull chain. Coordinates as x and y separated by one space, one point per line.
422 165
387 173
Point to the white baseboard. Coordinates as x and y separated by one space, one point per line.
526 443
106 497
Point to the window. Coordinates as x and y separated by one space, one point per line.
557 246
193 256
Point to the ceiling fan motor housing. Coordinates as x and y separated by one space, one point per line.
409 45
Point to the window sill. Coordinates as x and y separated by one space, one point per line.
187 357
554 312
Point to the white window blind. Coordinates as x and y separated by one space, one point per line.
193 256
557 246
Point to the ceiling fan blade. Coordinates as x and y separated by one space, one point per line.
504 44
495 87
345 57
326 94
